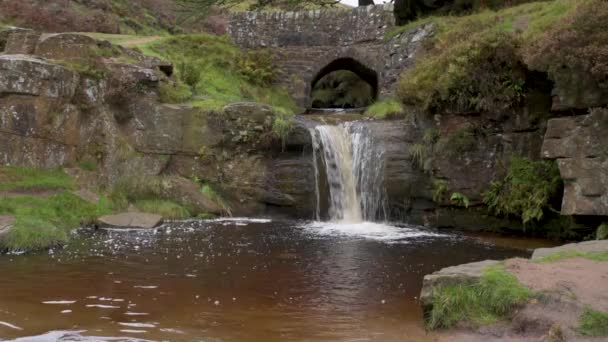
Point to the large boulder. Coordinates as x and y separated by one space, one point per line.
27 75
22 42
67 46
580 144
4 34
131 220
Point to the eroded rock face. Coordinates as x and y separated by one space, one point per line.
27 75
580 145
6 224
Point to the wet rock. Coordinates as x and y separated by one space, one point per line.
587 246
254 111
455 275
130 220
580 145
6 224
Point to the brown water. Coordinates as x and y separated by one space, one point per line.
232 281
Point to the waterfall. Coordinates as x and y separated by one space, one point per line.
354 169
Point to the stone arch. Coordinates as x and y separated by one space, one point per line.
349 60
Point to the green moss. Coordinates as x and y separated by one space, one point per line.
459 142
167 209
593 323
597 256
526 191
46 222
14 178
385 108
492 298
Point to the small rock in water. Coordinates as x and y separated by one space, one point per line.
217 302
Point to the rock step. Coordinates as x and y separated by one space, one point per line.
130 220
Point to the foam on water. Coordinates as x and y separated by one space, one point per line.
368 230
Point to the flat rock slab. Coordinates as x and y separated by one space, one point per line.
6 224
131 220
585 247
87 196
454 275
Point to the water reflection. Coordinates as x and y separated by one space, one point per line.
234 280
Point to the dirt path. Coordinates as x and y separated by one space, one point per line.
139 41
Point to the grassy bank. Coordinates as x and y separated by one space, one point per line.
474 62
492 298
597 256
43 206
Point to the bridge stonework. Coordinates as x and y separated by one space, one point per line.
309 44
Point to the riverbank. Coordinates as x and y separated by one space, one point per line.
557 295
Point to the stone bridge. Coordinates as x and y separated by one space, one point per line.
311 44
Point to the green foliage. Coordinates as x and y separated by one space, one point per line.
281 127
46 222
460 199
211 74
13 178
257 67
440 189
597 256
342 89
593 323
189 73
473 62
574 44
492 298
167 209
212 195
174 93
88 164
602 232
526 191
418 154
385 108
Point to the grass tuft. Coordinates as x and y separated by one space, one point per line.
597 256
385 108
492 298
14 178
593 323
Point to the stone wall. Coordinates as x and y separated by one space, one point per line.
580 145
304 43
321 27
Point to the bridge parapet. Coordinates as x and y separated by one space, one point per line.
321 27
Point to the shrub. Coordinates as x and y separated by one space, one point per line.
189 73
257 66
174 92
473 62
440 189
579 43
493 297
526 191
460 199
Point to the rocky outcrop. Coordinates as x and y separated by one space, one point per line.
581 247
580 145
131 220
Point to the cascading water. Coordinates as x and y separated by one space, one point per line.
354 168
